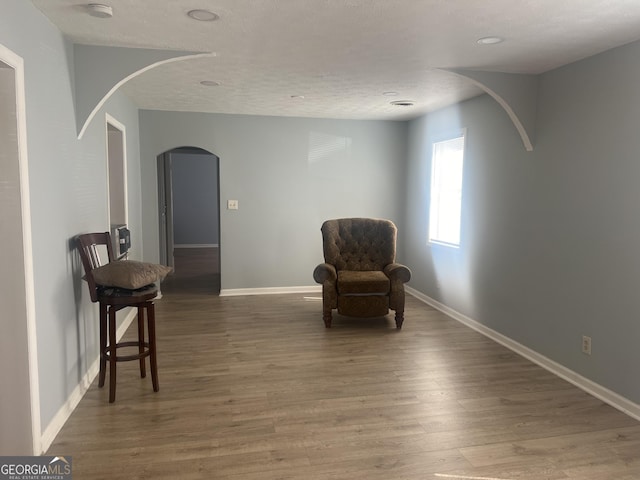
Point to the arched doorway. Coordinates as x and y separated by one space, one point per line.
189 218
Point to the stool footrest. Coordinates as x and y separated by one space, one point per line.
126 358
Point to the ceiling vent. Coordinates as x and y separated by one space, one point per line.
403 103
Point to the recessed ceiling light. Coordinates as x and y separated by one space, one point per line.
99 10
209 83
403 103
203 15
490 40
389 94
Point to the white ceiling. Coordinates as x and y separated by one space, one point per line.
342 55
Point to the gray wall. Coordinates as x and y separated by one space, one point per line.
194 182
68 194
550 237
288 175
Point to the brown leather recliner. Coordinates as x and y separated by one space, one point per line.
360 277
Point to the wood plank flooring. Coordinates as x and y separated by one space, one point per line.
256 388
196 270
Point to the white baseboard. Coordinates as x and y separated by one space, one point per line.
612 398
63 414
232 292
196 245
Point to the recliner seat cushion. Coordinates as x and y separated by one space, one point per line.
362 283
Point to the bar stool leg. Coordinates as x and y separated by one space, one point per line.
103 344
151 320
143 369
113 356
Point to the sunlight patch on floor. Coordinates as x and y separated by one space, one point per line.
465 477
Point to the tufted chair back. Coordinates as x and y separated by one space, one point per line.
360 244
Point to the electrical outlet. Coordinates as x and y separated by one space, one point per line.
232 204
586 345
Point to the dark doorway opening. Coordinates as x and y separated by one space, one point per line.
189 214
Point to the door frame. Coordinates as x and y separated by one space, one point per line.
165 209
116 155
16 62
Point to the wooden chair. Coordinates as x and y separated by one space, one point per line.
111 300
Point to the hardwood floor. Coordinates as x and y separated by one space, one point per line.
256 388
196 270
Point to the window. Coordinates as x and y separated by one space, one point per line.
446 191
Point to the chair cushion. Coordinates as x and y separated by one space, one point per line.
129 274
372 282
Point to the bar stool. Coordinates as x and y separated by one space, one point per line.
111 300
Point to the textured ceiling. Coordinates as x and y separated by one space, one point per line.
342 55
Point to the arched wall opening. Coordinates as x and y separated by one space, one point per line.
189 219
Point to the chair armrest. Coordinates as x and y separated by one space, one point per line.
325 272
396 271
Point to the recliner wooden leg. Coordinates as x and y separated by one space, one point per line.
399 319
326 316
